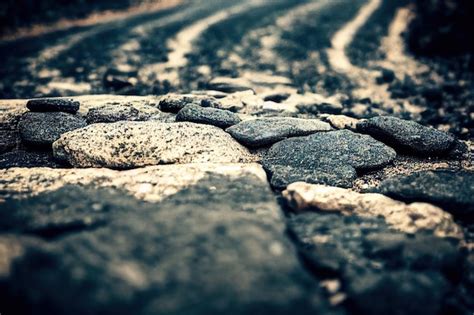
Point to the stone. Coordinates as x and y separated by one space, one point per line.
386 76
42 129
114 113
277 97
169 258
408 218
175 102
373 260
209 116
342 122
229 85
311 103
405 135
151 183
331 158
53 105
265 131
28 159
451 190
9 139
133 144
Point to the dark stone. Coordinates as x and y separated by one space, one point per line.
201 251
383 271
117 80
265 131
177 102
387 76
330 158
42 129
228 87
405 135
9 139
209 116
28 159
53 105
277 97
451 190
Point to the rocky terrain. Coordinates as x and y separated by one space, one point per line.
236 157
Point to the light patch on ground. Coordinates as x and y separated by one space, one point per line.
182 44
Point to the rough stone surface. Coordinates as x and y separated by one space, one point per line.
384 271
210 116
330 158
170 259
42 129
114 113
407 218
28 159
152 183
174 102
9 139
265 131
132 144
53 105
451 190
407 135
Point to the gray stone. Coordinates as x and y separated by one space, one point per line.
131 144
451 190
114 113
9 139
218 247
408 135
42 129
53 105
175 102
210 116
265 131
28 159
330 158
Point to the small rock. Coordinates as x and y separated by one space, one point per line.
277 97
42 129
266 131
117 80
451 190
407 135
229 85
9 139
330 158
386 76
408 218
174 102
342 122
132 144
27 159
53 105
209 116
114 113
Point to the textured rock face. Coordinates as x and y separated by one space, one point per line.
209 116
114 113
42 129
53 105
407 218
216 247
408 135
9 139
266 131
152 183
356 249
27 159
330 158
133 144
452 191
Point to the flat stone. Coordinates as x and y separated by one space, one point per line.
170 258
151 183
209 116
114 113
28 159
373 260
53 105
134 144
408 135
175 102
265 131
330 158
342 122
451 190
42 129
409 218
229 85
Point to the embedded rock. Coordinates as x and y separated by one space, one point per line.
209 116
114 113
53 105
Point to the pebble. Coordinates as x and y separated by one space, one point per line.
210 116
53 105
